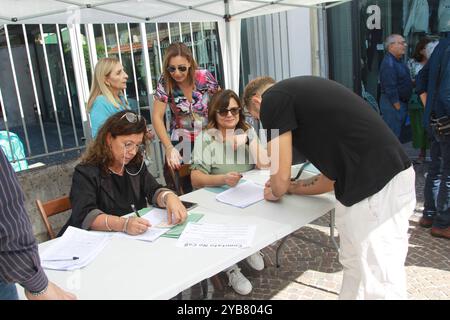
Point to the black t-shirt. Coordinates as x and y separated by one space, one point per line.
338 132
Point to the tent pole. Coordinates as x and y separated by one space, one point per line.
227 18
323 44
81 81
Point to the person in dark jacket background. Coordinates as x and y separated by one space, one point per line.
112 177
433 86
396 84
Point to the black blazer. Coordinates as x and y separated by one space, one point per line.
92 193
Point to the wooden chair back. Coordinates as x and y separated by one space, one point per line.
50 208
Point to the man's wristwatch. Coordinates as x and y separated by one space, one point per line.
38 293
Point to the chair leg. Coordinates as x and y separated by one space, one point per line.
332 226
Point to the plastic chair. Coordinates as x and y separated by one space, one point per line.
50 208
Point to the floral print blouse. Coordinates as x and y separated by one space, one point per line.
187 115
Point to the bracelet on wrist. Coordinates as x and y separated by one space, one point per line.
125 225
38 293
106 223
164 197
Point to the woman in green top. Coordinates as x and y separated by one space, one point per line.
226 148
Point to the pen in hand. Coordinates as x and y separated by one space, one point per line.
135 211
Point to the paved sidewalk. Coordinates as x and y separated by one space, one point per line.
310 269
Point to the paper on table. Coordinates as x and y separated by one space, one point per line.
242 195
158 220
82 244
208 235
150 235
258 172
220 189
176 231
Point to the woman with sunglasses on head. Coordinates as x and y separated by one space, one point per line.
228 147
186 90
111 181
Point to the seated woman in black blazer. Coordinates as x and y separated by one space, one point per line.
112 177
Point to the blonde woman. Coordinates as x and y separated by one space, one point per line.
106 97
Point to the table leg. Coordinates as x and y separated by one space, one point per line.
332 225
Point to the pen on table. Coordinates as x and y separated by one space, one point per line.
62 259
135 211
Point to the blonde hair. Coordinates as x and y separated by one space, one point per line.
103 69
256 86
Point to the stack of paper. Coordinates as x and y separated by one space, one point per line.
74 250
207 235
242 195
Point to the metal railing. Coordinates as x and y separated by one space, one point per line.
56 125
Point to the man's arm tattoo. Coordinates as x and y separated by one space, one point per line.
311 181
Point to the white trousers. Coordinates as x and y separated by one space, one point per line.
374 241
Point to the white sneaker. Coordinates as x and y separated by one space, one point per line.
256 261
238 281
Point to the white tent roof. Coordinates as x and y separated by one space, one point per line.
117 11
227 12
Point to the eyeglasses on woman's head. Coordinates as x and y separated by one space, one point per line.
132 117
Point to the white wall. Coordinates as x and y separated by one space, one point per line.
300 45
278 45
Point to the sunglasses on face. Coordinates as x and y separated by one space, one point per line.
224 112
131 117
172 69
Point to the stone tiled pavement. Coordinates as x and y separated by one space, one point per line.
310 269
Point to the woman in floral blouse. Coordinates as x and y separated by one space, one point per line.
186 90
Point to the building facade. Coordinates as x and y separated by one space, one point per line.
47 69
357 30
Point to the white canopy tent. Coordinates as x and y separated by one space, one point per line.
228 14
